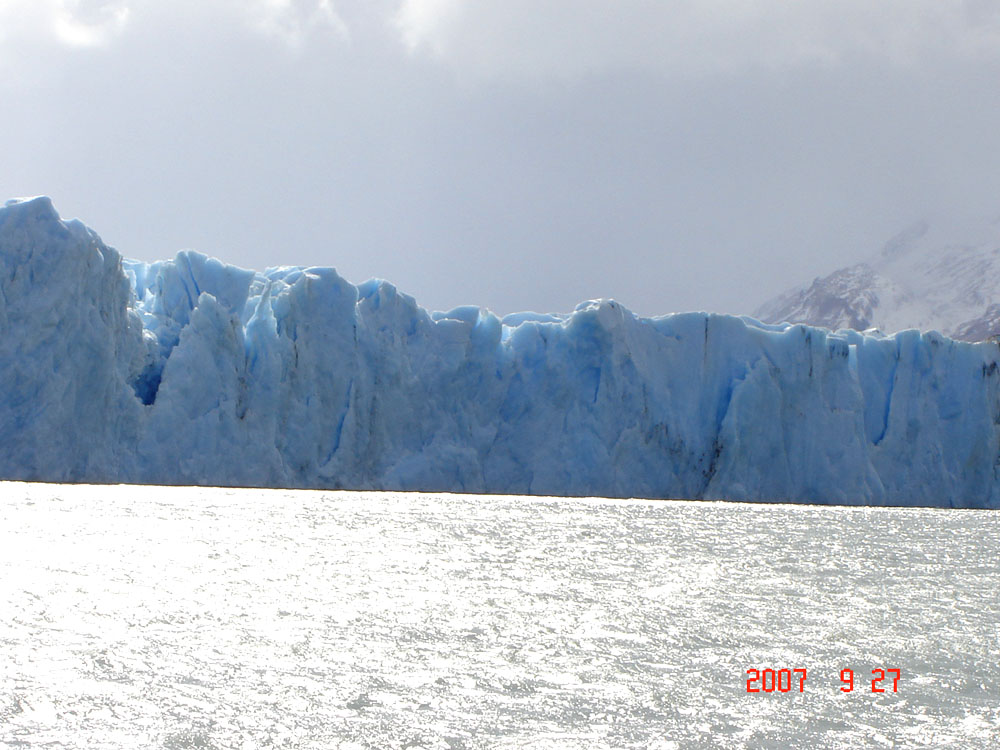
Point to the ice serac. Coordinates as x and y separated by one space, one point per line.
190 371
70 346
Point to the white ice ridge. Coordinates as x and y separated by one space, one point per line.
190 371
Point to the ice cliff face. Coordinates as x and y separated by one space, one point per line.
190 371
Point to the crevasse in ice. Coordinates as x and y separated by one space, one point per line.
189 371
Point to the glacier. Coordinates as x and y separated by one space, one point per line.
191 371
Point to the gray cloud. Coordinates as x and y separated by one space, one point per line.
692 37
516 155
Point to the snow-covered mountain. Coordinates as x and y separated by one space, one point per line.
921 279
190 371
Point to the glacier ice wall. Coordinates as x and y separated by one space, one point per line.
189 371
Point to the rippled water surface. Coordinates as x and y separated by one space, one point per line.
207 618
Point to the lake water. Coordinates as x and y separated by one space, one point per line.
212 618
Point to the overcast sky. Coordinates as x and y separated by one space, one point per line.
516 154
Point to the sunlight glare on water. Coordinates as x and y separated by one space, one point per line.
220 618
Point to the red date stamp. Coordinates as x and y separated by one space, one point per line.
785 680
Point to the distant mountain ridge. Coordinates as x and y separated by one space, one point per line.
922 278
